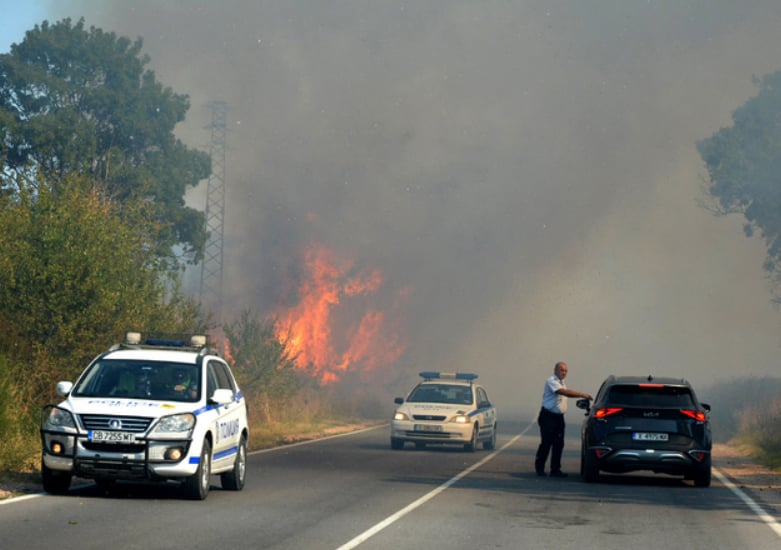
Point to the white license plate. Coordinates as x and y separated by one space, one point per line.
427 428
102 436
644 436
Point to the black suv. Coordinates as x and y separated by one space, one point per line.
646 423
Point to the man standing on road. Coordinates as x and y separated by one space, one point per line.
551 421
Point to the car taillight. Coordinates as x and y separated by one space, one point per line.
699 456
699 416
606 411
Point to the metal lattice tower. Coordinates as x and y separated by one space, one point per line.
212 265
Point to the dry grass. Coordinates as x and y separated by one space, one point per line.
747 414
285 433
759 432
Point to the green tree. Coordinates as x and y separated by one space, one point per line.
744 166
263 365
81 101
74 276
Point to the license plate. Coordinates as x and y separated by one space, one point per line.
427 428
644 436
102 436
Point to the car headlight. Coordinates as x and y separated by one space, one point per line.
59 419
175 423
400 416
460 419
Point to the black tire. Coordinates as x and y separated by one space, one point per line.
490 444
472 445
234 480
589 468
397 444
702 474
196 487
55 482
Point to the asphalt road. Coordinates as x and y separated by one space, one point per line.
354 492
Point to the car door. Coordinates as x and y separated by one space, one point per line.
488 412
227 427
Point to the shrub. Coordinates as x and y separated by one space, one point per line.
19 428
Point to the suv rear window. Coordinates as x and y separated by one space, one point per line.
645 396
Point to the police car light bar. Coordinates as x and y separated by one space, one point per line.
134 339
198 340
430 375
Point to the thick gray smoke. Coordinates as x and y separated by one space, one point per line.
526 170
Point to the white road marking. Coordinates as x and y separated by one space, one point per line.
425 498
751 503
20 498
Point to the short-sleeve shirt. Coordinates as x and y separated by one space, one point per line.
551 400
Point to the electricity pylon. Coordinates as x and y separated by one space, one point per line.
212 264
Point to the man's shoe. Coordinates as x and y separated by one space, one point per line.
558 473
541 473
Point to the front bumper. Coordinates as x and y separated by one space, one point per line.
428 432
146 459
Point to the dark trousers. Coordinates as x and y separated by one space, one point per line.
551 439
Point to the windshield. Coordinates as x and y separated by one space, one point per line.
140 379
441 393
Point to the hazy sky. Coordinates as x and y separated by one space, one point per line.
523 173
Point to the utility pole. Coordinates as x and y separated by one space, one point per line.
212 264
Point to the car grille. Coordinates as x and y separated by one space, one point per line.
428 417
107 422
114 447
109 468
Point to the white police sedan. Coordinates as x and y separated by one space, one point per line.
445 408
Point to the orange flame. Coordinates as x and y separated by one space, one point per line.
333 329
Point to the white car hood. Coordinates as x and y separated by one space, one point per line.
124 406
435 409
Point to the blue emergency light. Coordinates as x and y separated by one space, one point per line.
430 375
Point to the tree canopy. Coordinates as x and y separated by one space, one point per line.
81 101
73 277
744 165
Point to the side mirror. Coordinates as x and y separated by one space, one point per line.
705 406
399 400
584 404
222 396
64 388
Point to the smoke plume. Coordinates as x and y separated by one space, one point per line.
523 175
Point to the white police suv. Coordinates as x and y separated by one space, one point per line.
445 408
154 410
